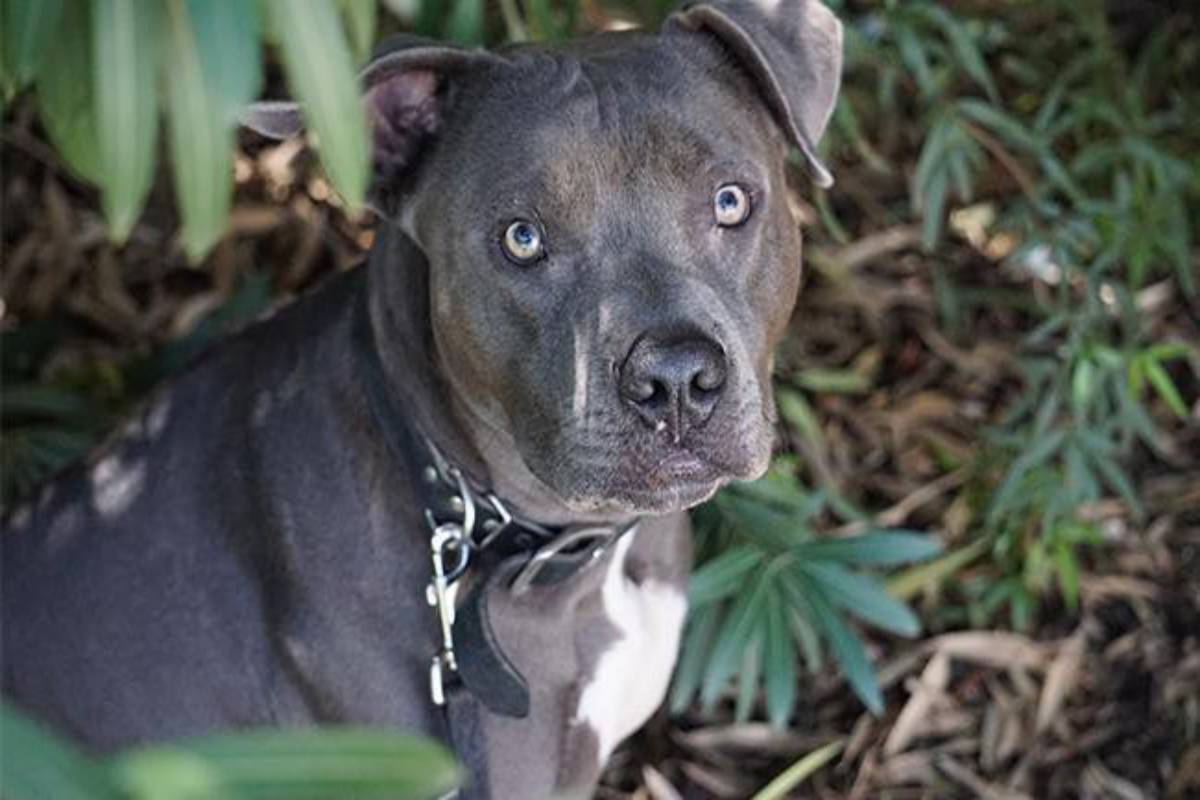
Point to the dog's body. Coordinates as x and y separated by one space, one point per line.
250 551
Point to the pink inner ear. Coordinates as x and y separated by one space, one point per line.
403 109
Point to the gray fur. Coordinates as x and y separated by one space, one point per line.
247 552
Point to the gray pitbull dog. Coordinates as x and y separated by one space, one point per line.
444 493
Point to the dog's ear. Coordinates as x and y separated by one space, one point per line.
792 49
407 88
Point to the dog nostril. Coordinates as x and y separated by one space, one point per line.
642 391
707 381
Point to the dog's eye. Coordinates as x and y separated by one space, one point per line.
523 242
731 205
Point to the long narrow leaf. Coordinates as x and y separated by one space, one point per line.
66 93
864 597
298 765
37 765
27 26
201 122
693 657
361 20
723 575
913 580
731 641
883 548
125 70
1038 453
320 72
779 662
782 785
848 650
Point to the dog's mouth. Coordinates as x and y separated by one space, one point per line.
656 480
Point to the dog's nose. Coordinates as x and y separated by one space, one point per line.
674 384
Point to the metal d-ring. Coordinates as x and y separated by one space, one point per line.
538 560
447 536
494 527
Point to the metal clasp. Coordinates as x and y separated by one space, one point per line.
440 594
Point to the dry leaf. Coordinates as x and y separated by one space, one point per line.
1061 679
992 649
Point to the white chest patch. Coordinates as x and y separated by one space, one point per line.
631 676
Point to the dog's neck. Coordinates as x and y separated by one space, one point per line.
398 299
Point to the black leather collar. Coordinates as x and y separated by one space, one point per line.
471 531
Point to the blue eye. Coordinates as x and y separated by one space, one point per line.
523 242
731 205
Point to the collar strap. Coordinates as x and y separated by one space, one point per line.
470 529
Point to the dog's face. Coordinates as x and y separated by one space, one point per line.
611 254
610 249
610 274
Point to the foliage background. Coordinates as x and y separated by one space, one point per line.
996 347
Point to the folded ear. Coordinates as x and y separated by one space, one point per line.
792 49
408 87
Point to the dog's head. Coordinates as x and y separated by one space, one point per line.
611 254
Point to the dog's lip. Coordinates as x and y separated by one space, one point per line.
673 496
682 462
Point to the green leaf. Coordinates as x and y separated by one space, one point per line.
1068 574
163 773
849 651
779 662
1165 387
1083 383
781 785
38 766
541 20
206 38
66 96
749 674
932 156
229 34
297 765
693 657
125 69
801 618
733 638
361 19
1168 351
883 548
723 575
1081 484
24 401
763 525
962 44
864 597
27 26
908 583
833 381
1004 125
798 412
466 22
1098 452
933 215
1039 452
912 53
320 72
